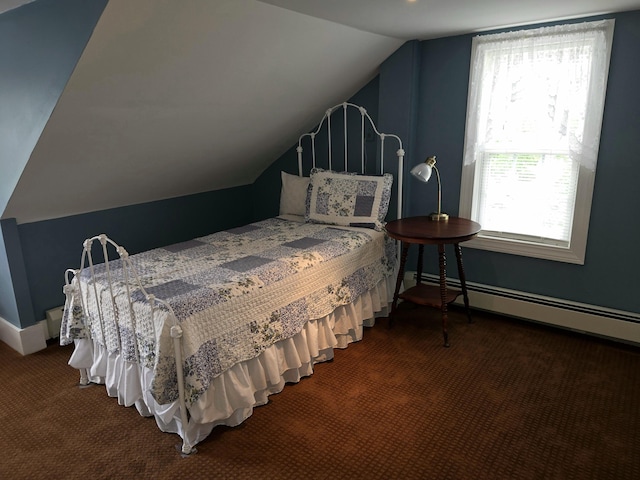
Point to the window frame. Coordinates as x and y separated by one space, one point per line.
575 251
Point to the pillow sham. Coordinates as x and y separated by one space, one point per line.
348 199
293 194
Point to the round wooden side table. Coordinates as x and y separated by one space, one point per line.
424 231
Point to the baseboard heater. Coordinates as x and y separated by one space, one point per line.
590 319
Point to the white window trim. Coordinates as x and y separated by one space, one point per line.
576 251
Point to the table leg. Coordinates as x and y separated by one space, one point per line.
443 292
419 266
463 281
403 261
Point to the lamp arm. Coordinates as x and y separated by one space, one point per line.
423 172
439 189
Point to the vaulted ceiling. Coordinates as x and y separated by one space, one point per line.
172 98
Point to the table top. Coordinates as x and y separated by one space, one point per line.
427 231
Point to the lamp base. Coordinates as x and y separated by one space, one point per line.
439 217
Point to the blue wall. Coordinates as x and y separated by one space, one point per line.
8 305
50 247
40 44
608 278
398 95
421 94
19 285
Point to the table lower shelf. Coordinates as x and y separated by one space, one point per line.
429 295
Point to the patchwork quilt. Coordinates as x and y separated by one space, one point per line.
234 293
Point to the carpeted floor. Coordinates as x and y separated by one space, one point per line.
508 400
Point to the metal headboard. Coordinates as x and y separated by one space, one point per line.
381 137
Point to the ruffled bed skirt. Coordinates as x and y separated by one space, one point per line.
232 396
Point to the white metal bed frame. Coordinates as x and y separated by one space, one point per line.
364 117
130 274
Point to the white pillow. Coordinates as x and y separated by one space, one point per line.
293 194
347 199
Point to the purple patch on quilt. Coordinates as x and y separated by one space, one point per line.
367 188
137 296
170 289
322 203
210 276
243 229
245 264
363 206
179 247
304 242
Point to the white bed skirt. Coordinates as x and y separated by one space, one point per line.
232 396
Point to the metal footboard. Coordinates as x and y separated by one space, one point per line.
130 281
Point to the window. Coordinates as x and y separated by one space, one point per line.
535 107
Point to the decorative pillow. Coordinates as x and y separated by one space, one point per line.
347 199
293 194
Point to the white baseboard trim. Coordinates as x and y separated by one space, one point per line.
580 317
24 340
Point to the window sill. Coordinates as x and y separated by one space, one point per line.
527 249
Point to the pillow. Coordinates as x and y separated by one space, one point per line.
293 194
347 199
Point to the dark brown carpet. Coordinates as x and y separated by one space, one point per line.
508 400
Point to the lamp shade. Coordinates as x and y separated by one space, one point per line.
422 172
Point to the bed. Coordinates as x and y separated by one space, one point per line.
198 333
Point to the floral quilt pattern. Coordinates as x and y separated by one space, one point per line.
234 293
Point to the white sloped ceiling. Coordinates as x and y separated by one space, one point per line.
424 19
175 98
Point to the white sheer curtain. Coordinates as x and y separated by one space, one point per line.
535 107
